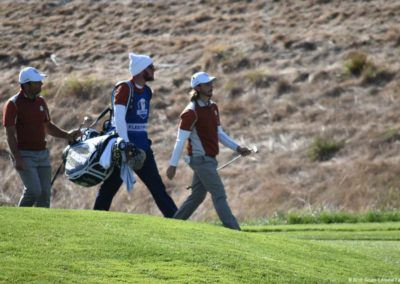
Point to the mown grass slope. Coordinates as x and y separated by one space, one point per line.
314 84
75 246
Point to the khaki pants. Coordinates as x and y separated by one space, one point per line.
206 179
36 179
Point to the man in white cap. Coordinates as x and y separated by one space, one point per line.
26 119
131 109
200 125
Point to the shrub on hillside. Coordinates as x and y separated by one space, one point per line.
48 89
83 87
323 149
260 78
216 54
225 57
233 88
390 136
358 64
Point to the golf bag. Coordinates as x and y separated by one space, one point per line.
82 159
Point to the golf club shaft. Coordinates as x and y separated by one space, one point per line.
103 113
230 162
221 167
57 172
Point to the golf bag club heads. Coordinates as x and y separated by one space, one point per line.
125 152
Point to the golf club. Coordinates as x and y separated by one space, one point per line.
85 119
253 149
103 113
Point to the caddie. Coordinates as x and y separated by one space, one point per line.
131 110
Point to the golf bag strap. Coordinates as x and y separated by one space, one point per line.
131 89
102 114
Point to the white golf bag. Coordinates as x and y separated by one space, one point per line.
82 159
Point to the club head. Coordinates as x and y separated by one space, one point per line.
85 119
54 59
254 149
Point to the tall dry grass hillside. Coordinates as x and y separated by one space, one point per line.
314 84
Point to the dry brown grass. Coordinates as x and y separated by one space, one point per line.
280 84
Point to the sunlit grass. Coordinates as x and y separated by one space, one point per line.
75 246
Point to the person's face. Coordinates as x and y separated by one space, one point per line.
205 89
148 74
32 89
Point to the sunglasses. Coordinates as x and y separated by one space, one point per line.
151 67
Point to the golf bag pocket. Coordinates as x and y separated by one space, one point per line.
129 154
82 161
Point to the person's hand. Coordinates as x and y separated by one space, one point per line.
73 135
19 163
244 151
171 172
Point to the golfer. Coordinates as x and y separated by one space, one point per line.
27 120
200 125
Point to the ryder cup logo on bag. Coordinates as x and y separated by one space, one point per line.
142 111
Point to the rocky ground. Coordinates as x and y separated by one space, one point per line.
289 72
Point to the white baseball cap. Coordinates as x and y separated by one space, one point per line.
138 62
30 74
201 78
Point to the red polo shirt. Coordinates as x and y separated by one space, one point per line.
29 117
206 121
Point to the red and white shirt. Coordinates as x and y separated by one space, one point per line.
200 125
29 117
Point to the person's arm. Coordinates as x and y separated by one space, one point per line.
11 132
227 141
10 115
120 122
55 131
188 120
181 138
120 103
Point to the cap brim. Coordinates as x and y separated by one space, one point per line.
38 77
210 79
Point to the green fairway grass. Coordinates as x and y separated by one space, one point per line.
77 246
